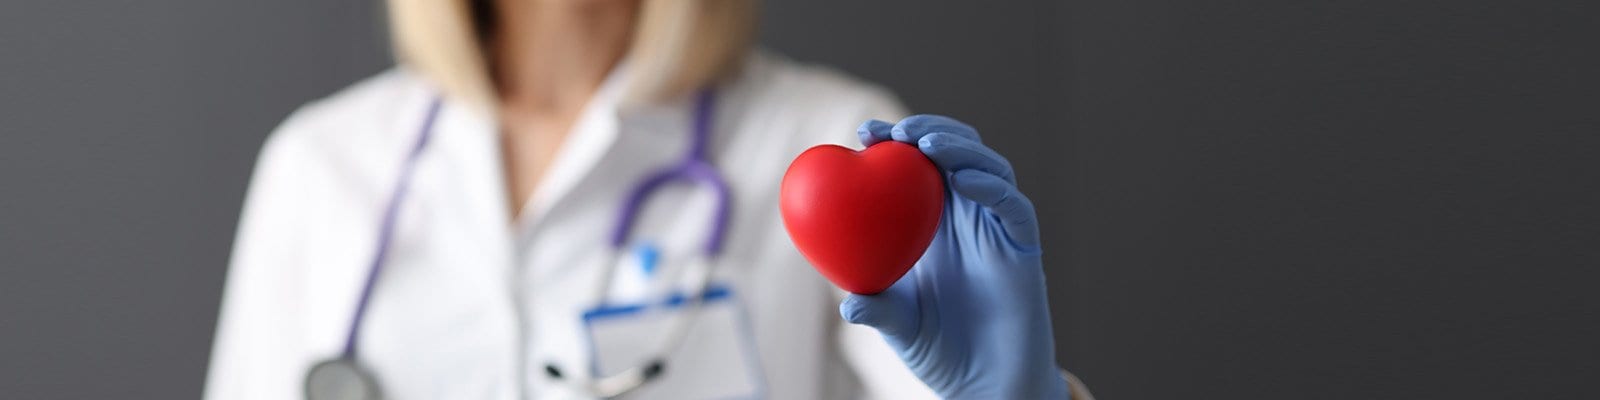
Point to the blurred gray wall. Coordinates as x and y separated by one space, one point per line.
1241 199
127 133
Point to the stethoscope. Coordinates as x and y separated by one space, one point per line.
343 377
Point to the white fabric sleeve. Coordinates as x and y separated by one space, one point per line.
1079 391
254 356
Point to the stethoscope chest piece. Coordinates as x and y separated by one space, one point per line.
340 379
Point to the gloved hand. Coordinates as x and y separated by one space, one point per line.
971 318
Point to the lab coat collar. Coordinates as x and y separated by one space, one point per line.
591 135
604 119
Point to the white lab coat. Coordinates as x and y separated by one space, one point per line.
471 305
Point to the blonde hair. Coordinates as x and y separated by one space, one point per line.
678 45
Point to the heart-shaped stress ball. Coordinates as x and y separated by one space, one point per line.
862 218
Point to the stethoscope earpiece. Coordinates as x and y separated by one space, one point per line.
614 385
649 372
654 369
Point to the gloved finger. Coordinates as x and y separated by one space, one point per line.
913 128
893 313
1002 199
874 131
955 153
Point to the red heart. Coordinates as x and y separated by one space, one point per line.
862 218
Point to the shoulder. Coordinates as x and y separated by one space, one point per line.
345 127
823 103
360 112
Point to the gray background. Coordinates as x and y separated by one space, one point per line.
1241 199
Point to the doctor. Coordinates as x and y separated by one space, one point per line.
480 223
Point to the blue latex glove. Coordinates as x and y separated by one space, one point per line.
971 319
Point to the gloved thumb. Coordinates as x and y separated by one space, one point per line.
893 313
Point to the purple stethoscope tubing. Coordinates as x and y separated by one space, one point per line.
694 167
386 228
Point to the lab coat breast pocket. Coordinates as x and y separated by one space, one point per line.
708 345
